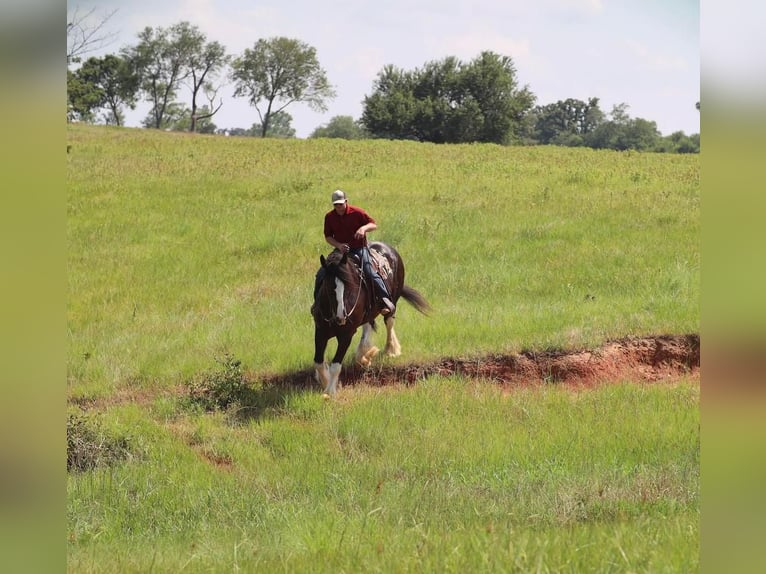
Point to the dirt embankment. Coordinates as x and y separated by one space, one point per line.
654 358
649 359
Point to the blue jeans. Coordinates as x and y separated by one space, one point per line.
364 255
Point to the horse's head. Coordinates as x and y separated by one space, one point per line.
340 288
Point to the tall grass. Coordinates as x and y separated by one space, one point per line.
449 476
185 247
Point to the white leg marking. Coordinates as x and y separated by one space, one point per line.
393 349
334 376
365 351
322 375
341 312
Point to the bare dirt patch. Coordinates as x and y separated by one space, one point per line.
661 358
653 358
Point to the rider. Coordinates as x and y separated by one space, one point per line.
345 228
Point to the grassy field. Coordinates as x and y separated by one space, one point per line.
449 476
184 249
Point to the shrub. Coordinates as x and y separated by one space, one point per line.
88 446
219 388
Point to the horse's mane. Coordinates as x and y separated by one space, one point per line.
336 267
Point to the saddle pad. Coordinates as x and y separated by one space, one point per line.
380 263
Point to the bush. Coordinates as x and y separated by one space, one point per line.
220 388
88 446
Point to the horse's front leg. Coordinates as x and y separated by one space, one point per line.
321 371
344 341
365 351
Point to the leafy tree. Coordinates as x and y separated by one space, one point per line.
679 142
83 98
166 58
439 116
206 60
391 109
161 59
278 72
566 122
340 127
279 127
448 101
623 132
85 33
113 80
178 118
491 82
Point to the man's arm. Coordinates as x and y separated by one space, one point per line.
365 229
343 247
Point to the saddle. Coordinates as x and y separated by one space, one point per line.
377 260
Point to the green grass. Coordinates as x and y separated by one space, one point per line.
182 247
448 476
185 249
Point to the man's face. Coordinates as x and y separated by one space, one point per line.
340 208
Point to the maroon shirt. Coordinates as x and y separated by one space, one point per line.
343 227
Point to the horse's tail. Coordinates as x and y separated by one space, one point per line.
414 298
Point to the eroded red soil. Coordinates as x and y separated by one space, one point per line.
656 358
648 359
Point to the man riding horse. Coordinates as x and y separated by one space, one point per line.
346 228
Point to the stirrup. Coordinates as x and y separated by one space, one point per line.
387 306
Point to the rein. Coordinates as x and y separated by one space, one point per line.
347 314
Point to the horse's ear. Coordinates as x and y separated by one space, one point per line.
322 260
344 258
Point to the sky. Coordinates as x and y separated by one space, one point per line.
643 53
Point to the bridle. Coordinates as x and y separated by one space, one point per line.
334 318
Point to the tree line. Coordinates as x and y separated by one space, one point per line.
444 101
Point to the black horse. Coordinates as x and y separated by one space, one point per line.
345 302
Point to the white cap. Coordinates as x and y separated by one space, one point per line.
338 197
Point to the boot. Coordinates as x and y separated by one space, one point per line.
387 306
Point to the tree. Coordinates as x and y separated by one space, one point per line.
165 58
490 79
449 102
160 59
112 79
566 122
85 33
623 132
391 109
83 98
178 118
340 127
679 142
279 127
278 72
206 59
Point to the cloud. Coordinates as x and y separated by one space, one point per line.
581 6
468 45
655 62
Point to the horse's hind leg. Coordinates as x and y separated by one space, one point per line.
365 351
393 348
